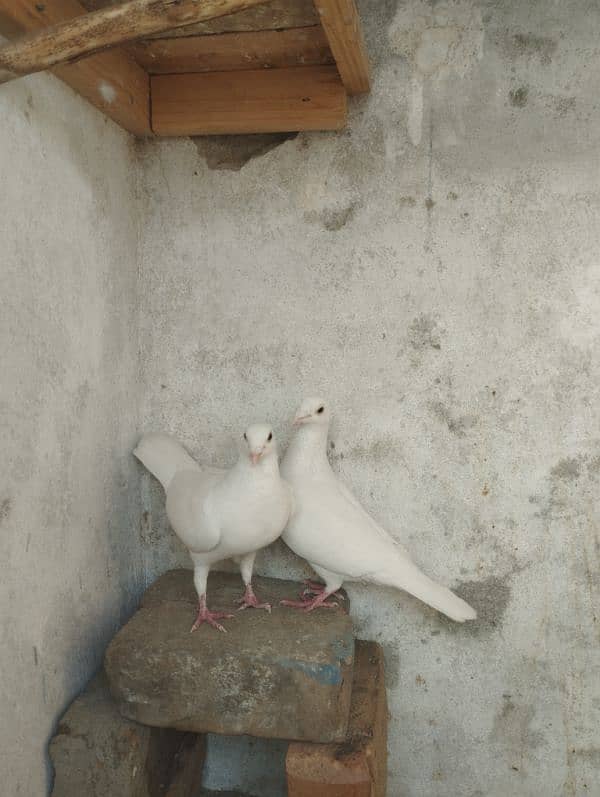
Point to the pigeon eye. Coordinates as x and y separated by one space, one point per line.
270 437
320 410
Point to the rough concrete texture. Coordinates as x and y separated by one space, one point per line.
97 752
280 675
433 271
69 492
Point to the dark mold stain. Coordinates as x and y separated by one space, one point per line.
334 219
518 97
567 469
429 203
35 656
563 105
489 597
232 153
452 195
458 425
392 666
513 722
5 508
424 333
528 44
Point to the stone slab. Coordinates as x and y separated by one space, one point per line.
97 752
358 766
285 675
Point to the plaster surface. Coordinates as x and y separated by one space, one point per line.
433 271
69 489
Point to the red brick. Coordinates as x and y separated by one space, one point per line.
358 766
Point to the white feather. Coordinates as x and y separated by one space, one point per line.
333 532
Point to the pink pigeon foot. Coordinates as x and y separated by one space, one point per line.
315 588
308 604
251 601
206 616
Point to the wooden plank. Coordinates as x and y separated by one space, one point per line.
268 49
90 33
358 766
265 101
274 15
342 27
113 82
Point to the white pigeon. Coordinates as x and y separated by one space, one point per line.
221 514
341 542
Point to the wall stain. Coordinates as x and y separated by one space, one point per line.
392 666
489 597
424 333
563 105
513 722
568 469
528 44
232 153
518 97
459 425
334 219
5 508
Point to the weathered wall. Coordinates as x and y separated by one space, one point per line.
433 271
69 491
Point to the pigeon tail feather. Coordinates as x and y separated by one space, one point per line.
164 457
409 578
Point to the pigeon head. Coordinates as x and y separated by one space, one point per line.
259 441
312 410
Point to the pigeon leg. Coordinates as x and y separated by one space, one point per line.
250 600
308 604
315 588
206 616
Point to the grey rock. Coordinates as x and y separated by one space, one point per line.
97 752
285 675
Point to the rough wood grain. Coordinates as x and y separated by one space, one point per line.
342 27
269 49
274 15
266 101
111 81
90 33
358 766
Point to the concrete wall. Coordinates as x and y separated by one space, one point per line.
69 490
433 271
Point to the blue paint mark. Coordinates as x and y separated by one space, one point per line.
327 674
343 648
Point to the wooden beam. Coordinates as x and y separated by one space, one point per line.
114 25
342 27
265 101
111 81
274 15
264 49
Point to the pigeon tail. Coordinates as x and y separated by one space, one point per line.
409 578
164 457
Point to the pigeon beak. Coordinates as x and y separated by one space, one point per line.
299 419
255 456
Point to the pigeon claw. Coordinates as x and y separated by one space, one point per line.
315 588
307 605
250 601
206 616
